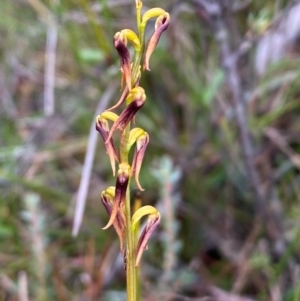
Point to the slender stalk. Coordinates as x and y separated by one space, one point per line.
123 145
138 14
136 66
137 205
130 253
130 240
138 54
131 271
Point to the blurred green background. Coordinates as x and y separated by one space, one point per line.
58 69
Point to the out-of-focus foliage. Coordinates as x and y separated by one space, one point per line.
218 245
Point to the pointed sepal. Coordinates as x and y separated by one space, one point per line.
121 100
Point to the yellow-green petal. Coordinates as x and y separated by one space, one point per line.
109 115
145 210
152 13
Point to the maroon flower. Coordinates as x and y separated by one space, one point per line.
103 128
152 223
161 24
120 43
120 194
138 99
120 222
141 145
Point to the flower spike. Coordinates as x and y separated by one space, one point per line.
107 198
161 24
141 145
116 200
103 128
120 194
136 100
152 223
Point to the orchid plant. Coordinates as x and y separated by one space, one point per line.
116 199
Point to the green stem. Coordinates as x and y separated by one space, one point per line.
123 145
136 65
138 15
130 240
130 253
132 273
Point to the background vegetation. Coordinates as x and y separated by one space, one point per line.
222 112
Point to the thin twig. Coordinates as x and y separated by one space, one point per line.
23 286
50 55
88 161
49 79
